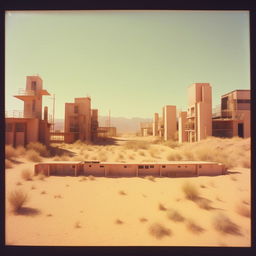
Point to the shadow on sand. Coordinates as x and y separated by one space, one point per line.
106 141
28 211
56 151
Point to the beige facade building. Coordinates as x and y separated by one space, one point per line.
78 120
169 122
183 136
199 115
29 126
234 118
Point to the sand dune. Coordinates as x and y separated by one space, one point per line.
133 211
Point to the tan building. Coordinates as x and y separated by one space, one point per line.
156 125
169 122
199 115
234 118
183 136
29 125
146 128
78 120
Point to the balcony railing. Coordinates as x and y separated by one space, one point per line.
190 126
14 113
25 92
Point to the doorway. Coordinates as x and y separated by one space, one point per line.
241 130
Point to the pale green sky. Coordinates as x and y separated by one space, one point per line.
132 63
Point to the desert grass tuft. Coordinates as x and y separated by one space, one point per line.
41 176
58 196
243 210
159 231
39 148
151 178
91 177
118 221
174 215
143 219
190 191
8 164
43 192
225 226
193 227
10 152
33 187
27 175
77 224
83 179
17 199
18 183
203 203
121 192
161 207
33 156
49 215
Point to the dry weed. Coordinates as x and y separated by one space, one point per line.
174 215
161 207
243 210
33 187
91 177
225 226
27 175
49 215
159 231
174 156
193 227
77 224
135 145
190 191
10 152
118 221
18 183
43 192
17 199
83 179
151 178
121 192
33 156
39 148
8 164
143 219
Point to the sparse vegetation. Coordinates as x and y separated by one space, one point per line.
135 145
203 203
193 227
243 210
27 175
161 207
8 164
225 226
118 221
49 215
33 187
83 179
10 152
91 177
33 156
43 192
121 192
17 199
151 178
77 224
41 176
190 191
18 183
159 231
174 215
143 220
39 148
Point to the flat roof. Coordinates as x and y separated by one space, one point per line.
236 91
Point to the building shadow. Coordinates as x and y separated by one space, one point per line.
56 151
232 172
105 141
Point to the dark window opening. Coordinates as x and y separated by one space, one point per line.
224 103
125 166
179 166
33 105
141 166
244 101
200 166
151 166
146 166
90 166
101 166
240 130
163 166
73 166
8 127
33 85
76 109
185 166
20 127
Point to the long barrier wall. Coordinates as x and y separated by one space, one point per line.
107 169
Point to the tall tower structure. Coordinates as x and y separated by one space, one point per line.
32 97
169 120
155 124
199 116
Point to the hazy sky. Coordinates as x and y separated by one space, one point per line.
132 63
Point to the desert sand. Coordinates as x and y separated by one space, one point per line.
100 211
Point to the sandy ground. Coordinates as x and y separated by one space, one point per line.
121 211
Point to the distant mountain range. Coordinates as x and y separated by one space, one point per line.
122 124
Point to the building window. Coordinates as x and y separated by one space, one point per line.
20 127
101 166
76 109
125 166
141 166
73 166
90 166
200 166
8 127
33 85
178 166
151 166
224 103
163 166
146 166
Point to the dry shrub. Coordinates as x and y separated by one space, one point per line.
121 192
33 156
225 226
26 174
151 178
172 143
202 186
8 164
135 145
141 153
119 221
159 231
232 177
175 156
18 183
17 199
78 158
83 179
49 215
20 151
77 224
10 152
243 210
41 176
65 157
91 177
131 157
58 196
161 207
39 148
174 215
43 192
203 203
193 227
102 156
190 191
143 220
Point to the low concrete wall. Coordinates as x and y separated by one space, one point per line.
210 169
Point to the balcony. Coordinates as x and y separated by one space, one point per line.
14 114
25 92
190 126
